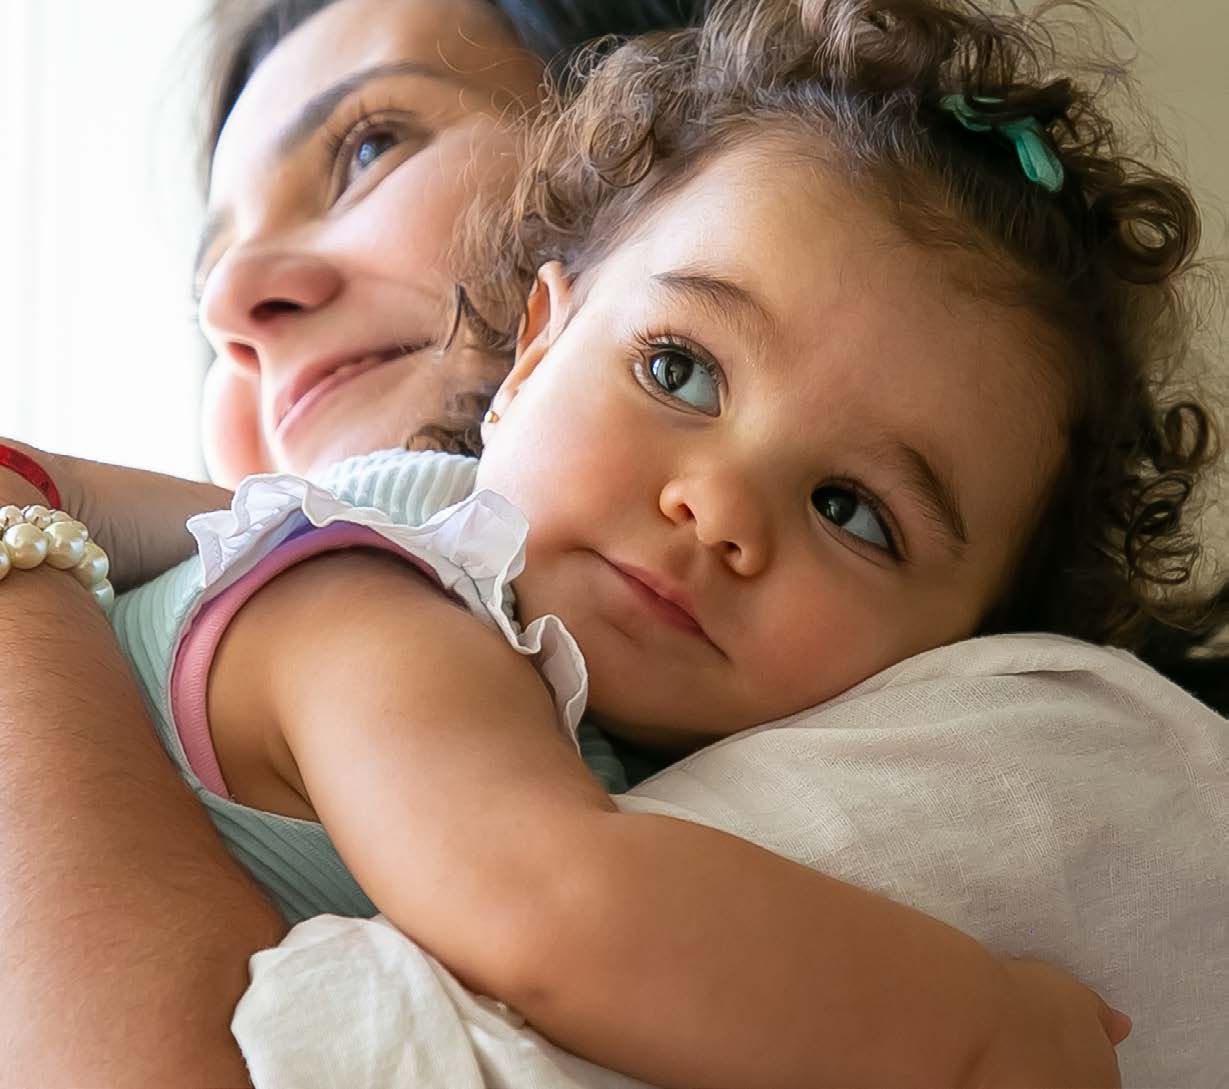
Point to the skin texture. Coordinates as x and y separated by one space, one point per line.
337 247
722 495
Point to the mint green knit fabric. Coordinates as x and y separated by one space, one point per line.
294 860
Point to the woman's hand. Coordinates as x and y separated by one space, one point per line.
137 517
1053 1031
16 489
125 927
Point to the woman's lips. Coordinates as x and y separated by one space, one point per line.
313 388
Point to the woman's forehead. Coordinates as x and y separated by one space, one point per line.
465 41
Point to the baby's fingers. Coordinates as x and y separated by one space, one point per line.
1117 1024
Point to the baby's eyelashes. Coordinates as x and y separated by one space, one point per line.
675 371
856 513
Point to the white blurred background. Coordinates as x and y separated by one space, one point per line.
98 214
98 224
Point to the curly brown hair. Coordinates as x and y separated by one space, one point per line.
1104 264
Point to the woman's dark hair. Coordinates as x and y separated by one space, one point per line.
243 32
1104 265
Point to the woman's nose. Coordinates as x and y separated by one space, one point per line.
727 516
253 295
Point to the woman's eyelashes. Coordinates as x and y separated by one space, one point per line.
854 512
354 147
680 373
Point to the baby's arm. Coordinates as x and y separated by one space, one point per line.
671 951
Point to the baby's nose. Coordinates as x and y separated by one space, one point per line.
727 516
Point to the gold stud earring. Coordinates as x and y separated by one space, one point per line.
492 417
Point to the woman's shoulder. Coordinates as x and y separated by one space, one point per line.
409 486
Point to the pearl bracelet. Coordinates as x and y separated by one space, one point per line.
36 535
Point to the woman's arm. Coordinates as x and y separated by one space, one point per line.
137 517
124 926
670 951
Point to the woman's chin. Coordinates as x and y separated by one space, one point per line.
315 464
312 460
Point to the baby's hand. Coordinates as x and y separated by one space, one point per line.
1053 1032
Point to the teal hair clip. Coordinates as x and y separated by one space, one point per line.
1037 156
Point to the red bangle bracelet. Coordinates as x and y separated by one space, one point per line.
29 469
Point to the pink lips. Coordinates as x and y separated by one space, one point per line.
667 603
315 383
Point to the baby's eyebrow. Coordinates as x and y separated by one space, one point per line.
726 298
933 491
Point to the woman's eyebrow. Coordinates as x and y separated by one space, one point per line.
214 225
318 109
314 113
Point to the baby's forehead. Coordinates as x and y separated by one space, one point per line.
769 200
780 217
780 270
796 238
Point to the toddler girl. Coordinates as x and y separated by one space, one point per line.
846 340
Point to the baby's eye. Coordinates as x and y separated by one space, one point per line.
844 507
686 379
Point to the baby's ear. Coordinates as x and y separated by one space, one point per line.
546 314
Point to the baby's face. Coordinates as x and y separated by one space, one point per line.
769 453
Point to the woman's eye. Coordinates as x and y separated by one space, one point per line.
845 508
686 379
366 149
356 147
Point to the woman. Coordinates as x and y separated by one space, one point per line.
321 326
311 263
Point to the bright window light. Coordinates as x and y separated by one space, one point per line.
98 217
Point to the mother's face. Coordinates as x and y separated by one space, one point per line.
335 195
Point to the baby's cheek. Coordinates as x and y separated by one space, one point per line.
824 643
230 426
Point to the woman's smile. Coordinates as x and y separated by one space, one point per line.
316 383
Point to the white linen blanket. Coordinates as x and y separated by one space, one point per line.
1047 797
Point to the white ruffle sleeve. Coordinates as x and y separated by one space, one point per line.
474 548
